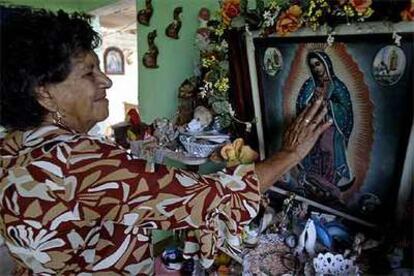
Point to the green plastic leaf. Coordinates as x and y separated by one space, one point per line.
260 6
220 107
224 120
243 6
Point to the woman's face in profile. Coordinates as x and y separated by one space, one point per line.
81 97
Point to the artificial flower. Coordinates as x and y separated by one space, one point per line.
289 21
222 84
273 4
349 11
207 62
205 32
224 46
361 5
295 10
202 41
206 89
229 10
282 16
408 13
270 17
219 31
368 12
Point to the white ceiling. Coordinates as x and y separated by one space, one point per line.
120 16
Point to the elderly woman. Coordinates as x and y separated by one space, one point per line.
71 203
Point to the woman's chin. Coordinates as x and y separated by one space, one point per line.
102 110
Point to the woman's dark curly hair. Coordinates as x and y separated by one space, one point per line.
36 49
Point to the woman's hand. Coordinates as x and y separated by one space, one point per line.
298 140
305 130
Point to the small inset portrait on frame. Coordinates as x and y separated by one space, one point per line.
389 65
114 61
272 61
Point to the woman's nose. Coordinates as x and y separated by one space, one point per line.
106 82
109 82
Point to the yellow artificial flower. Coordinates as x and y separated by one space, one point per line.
222 84
219 31
207 62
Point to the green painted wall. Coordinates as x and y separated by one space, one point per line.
67 5
158 88
176 60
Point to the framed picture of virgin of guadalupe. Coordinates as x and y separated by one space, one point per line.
366 83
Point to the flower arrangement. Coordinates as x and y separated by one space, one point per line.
214 68
286 16
277 16
280 17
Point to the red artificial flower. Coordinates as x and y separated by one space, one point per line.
229 10
408 13
361 5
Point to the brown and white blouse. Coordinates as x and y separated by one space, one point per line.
76 204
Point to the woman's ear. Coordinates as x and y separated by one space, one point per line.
45 99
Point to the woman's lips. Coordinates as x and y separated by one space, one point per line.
100 97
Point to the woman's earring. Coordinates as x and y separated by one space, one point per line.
57 118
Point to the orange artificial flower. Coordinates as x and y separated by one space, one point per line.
289 21
408 13
361 5
229 10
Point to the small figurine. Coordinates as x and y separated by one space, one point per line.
137 130
307 239
360 243
164 131
173 28
203 32
291 241
395 258
186 101
172 258
201 119
144 15
203 18
187 89
150 58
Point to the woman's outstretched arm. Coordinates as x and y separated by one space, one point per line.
298 140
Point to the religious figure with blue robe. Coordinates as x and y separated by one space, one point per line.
326 164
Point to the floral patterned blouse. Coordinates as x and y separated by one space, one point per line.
76 204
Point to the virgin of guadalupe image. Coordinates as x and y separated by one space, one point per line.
326 165
114 62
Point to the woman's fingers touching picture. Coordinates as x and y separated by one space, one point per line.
305 130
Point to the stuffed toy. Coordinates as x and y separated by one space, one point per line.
201 119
